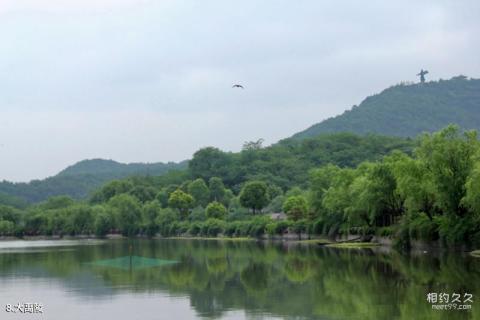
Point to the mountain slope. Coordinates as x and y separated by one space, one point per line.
408 110
83 177
111 167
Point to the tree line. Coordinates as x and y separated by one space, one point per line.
431 193
285 164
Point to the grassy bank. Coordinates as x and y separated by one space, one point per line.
353 245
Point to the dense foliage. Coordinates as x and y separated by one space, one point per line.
409 109
431 194
286 164
79 180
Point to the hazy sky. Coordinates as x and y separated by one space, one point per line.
148 81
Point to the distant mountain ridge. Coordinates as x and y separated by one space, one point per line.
406 110
83 177
102 166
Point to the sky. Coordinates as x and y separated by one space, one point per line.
150 81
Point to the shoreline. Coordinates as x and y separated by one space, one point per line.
376 243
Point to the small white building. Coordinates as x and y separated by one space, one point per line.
278 216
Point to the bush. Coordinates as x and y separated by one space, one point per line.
422 228
182 227
216 210
295 207
242 228
385 231
197 214
318 226
35 224
103 223
7 228
195 228
271 228
213 227
454 230
276 204
299 226
165 218
277 227
177 228
173 228
239 214
231 228
401 241
258 225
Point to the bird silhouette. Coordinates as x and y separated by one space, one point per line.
238 86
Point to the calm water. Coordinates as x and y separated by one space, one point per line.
188 279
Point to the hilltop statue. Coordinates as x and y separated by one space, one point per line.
422 75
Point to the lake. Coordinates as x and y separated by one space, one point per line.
193 279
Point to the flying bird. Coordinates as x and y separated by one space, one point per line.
238 86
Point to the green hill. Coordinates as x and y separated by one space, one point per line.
111 167
288 163
406 110
80 179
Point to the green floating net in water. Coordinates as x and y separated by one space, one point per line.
132 263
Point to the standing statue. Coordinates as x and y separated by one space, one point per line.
422 75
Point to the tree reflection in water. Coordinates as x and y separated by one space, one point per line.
305 281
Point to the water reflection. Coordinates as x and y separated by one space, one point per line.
305 282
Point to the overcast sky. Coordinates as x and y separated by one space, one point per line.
149 81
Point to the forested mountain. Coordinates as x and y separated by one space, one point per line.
406 110
329 185
110 167
80 179
288 162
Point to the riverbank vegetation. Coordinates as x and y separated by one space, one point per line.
355 185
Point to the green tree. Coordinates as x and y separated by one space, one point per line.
217 189
449 158
7 228
104 221
254 195
274 191
384 202
472 195
8 213
143 193
227 197
295 207
181 201
216 210
200 192
111 189
209 162
151 210
320 180
80 219
162 197
128 213
414 184
276 204
57 202
166 217
337 201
